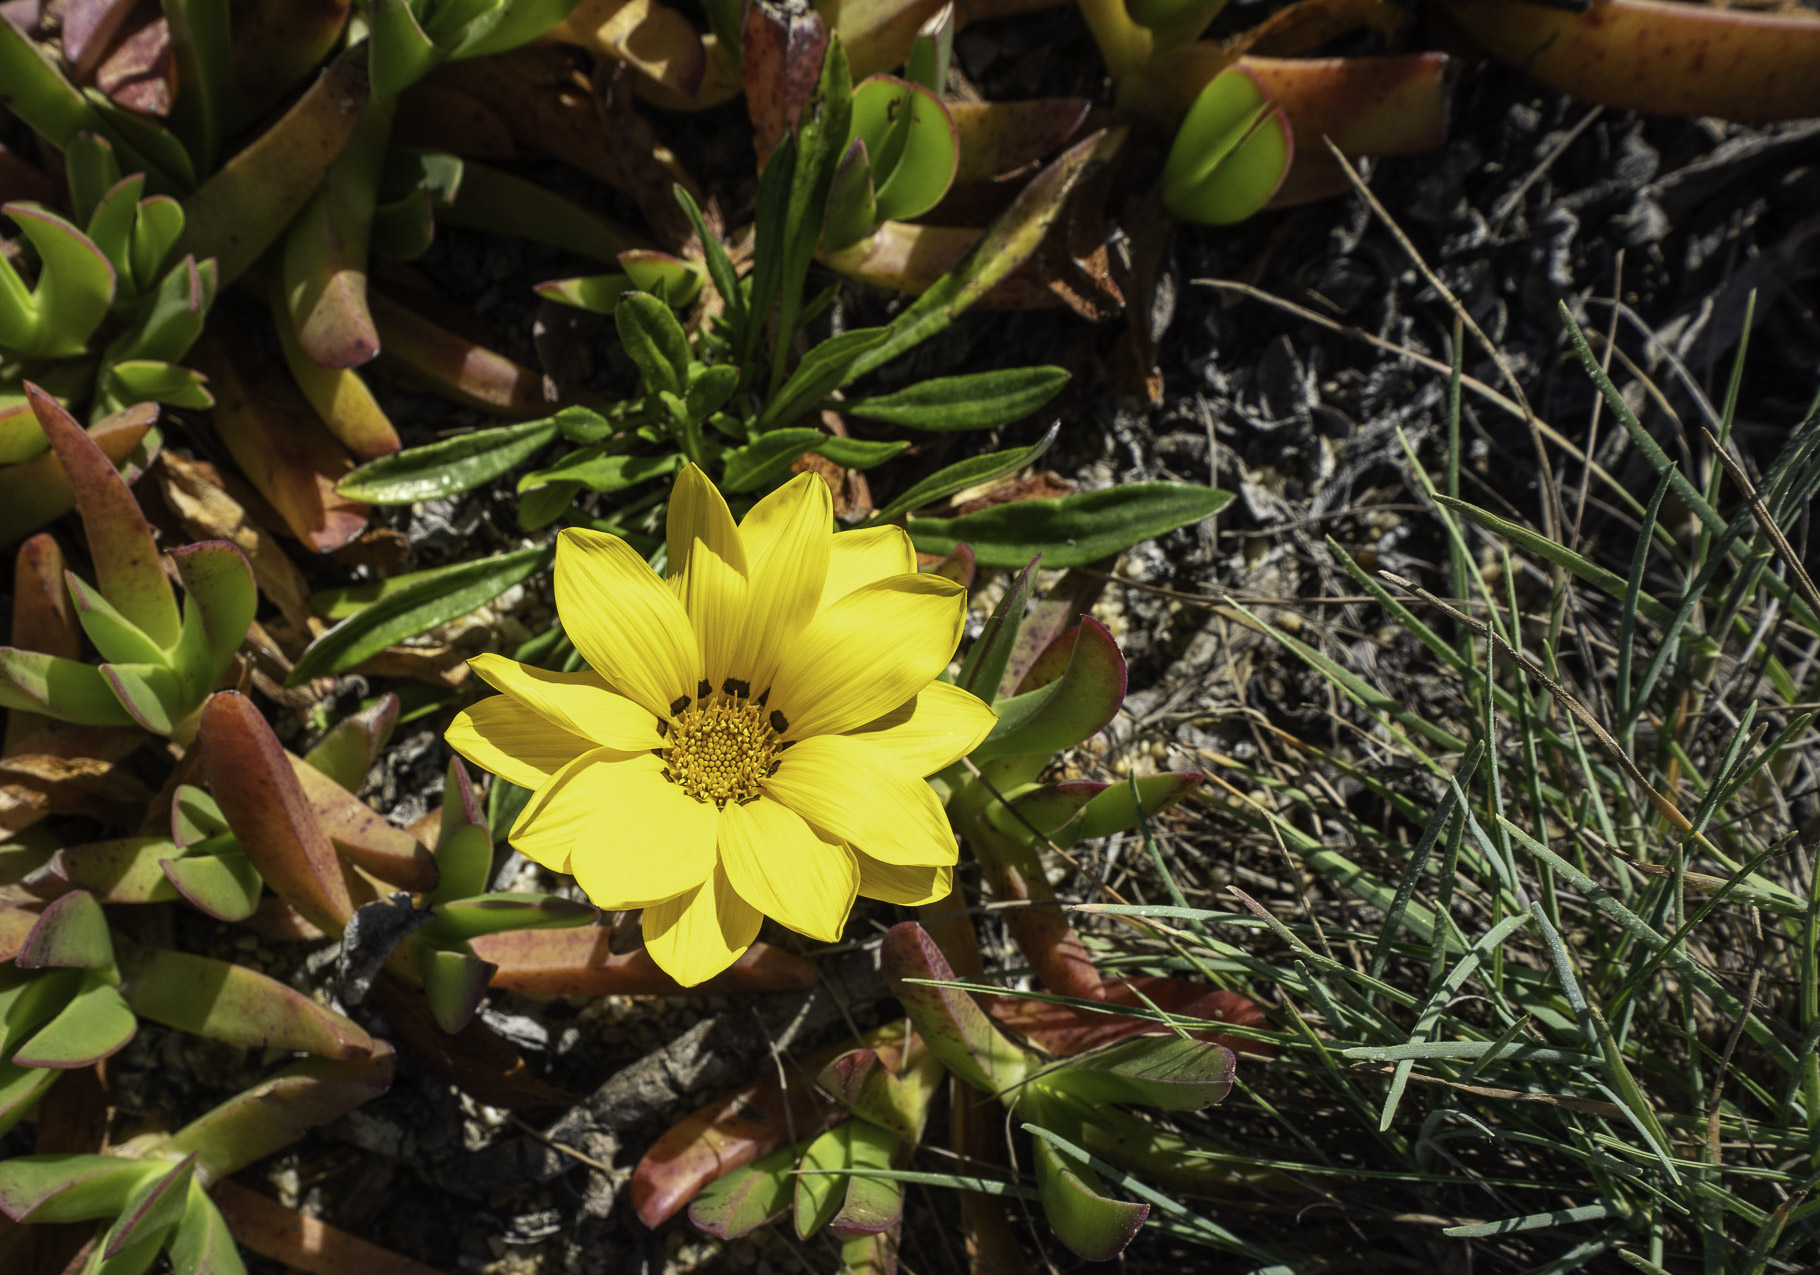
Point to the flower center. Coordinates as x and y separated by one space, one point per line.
721 748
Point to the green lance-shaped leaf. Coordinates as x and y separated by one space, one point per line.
743 1200
676 280
911 142
768 461
967 473
487 199
94 1025
151 381
933 50
109 226
351 746
240 211
655 341
453 983
449 467
20 1090
870 1205
70 933
1231 153
120 540
600 468
259 794
821 371
75 288
464 841
595 293
67 690
984 667
1075 1203
949 1021
432 598
402 52
69 1187
195 816
157 230
980 400
1166 1072
29 1000
1067 711
219 600
820 1194
234 1004
156 1205
117 638
92 172
273 1114
1071 531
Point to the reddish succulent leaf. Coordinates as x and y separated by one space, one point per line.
280 445
71 931
1002 138
783 60
236 214
732 1132
949 1020
325 250
140 73
42 618
252 781
88 27
16 922
120 871
453 366
277 45
1041 931
301 1242
957 566
1075 707
120 539
235 1004
1670 59
1059 610
580 962
362 834
275 1113
1065 1030
278 921
350 747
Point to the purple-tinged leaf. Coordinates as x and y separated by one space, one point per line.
120 871
222 883
119 538
362 834
453 983
872 1205
745 1199
351 746
150 693
273 1114
1043 809
156 1206
37 490
70 932
863 1083
219 604
235 1004
1074 1200
1068 711
953 1025
94 1025
68 1187
253 782
67 690
782 52
580 961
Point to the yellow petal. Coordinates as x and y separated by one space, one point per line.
707 570
697 935
936 729
629 836
868 653
860 557
580 703
624 621
854 791
911 887
780 866
502 735
787 537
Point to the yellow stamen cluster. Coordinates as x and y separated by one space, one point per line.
720 749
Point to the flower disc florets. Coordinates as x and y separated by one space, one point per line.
721 749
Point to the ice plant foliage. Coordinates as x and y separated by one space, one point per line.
754 732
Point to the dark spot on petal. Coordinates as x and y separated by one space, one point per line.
682 702
703 690
663 727
733 686
762 698
779 722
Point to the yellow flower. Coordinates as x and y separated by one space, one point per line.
753 736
